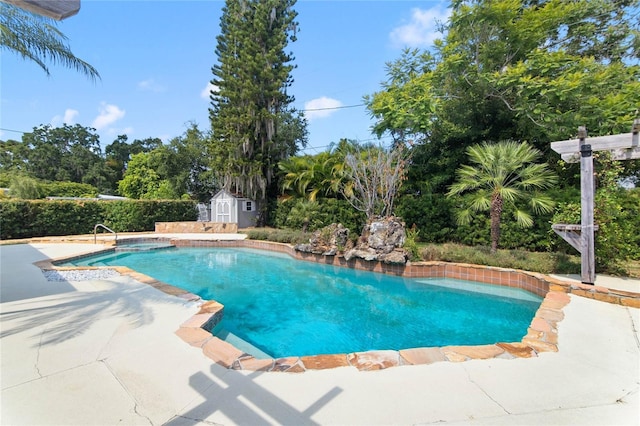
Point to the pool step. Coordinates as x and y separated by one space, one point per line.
224 334
143 247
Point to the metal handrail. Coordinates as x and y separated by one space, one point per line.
95 230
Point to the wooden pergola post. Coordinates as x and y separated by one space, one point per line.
587 191
624 146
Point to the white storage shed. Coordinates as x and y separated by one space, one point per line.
234 208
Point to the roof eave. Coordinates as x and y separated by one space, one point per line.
56 9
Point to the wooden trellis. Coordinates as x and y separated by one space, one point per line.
623 146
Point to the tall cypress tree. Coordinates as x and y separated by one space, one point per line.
250 99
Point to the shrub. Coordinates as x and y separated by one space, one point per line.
141 215
325 212
17 218
279 235
68 189
38 218
25 187
517 259
65 217
431 213
411 243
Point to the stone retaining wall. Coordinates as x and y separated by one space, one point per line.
196 227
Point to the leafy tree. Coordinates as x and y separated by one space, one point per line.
67 153
375 174
141 181
168 171
119 152
503 173
318 176
513 69
36 38
25 187
191 173
13 155
252 125
117 155
303 212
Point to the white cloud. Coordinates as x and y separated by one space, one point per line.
151 85
320 107
69 117
207 90
108 135
421 31
108 115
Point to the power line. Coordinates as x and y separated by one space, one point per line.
330 108
10 130
317 148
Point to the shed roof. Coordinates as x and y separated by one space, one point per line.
234 195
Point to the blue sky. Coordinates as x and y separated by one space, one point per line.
155 60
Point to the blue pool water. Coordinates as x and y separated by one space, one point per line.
286 307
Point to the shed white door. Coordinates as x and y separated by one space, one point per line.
226 210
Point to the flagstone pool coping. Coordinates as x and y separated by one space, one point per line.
542 334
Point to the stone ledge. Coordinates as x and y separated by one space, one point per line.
196 228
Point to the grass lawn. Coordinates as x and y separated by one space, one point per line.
634 268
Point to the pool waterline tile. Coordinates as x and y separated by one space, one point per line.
541 335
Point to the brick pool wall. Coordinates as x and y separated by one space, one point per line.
534 283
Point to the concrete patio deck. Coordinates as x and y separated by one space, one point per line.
104 352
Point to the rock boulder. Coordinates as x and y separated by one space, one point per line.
328 241
382 240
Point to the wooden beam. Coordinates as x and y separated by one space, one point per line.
569 233
56 9
623 146
619 154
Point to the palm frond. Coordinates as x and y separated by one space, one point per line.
463 217
37 39
523 218
541 204
480 202
510 194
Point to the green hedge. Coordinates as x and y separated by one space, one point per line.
68 189
39 218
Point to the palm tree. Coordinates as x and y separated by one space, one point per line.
304 211
314 177
36 38
503 173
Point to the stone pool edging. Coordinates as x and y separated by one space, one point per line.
542 334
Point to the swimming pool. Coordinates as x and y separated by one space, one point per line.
285 307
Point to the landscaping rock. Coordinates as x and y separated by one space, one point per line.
328 241
381 240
